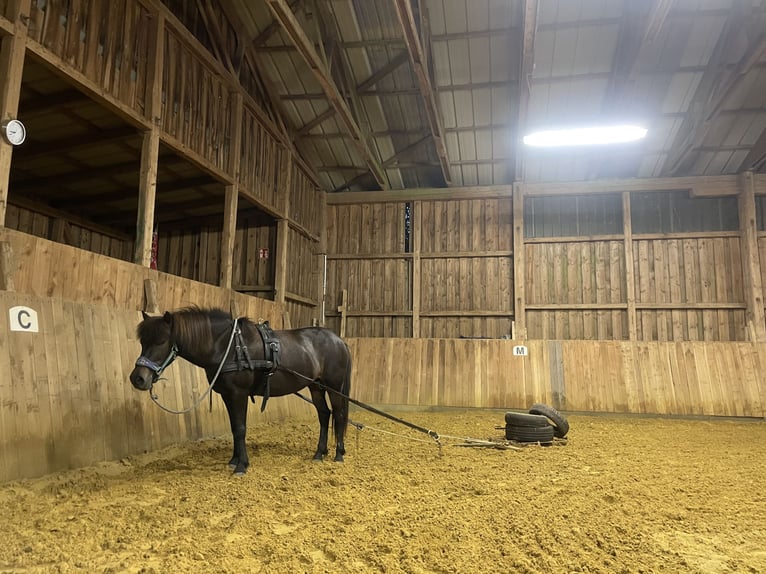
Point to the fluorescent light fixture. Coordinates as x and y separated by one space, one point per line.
585 136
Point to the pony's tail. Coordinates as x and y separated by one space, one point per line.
346 387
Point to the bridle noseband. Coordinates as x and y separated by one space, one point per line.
154 367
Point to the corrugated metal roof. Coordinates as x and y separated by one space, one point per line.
692 71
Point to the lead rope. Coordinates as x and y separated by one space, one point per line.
210 386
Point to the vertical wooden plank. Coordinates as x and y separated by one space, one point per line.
751 264
519 270
280 276
416 237
12 49
231 197
146 198
151 144
9 403
321 260
630 278
228 236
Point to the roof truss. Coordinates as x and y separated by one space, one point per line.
292 28
718 82
418 59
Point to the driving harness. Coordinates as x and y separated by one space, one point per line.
266 366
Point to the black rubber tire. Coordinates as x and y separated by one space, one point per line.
526 420
542 435
560 424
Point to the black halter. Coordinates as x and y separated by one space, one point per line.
154 367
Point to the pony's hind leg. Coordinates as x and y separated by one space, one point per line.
323 412
340 422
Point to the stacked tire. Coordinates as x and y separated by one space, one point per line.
540 425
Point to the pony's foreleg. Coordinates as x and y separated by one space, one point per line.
323 411
236 406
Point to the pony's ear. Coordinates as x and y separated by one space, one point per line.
168 316
145 315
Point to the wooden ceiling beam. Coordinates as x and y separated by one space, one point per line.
69 145
418 60
392 65
273 27
394 159
320 119
284 15
42 104
639 28
718 82
526 67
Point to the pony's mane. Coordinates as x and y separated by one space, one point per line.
190 324
193 324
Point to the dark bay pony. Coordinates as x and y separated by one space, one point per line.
312 357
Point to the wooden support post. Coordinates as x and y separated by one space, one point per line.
229 233
280 279
283 236
228 236
342 310
519 326
147 191
6 267
751 262
150 150
630 275
12 49
152 302
322 261
416 267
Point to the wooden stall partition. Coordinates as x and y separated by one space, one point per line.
673 378
52 225
48 269
301 282
255 245
689 288
197 105
306 204
108 43
65 398
261 158
575 289
466 267
367 257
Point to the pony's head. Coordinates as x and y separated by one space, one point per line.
158 350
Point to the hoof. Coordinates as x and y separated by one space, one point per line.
239 474
339 459
317 459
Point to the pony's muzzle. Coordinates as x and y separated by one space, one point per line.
142 378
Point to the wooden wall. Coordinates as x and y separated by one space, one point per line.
65 398
77 234
593 261
681 378
45 268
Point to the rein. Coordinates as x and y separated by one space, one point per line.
144 362
157 369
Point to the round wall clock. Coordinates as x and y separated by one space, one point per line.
14 132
